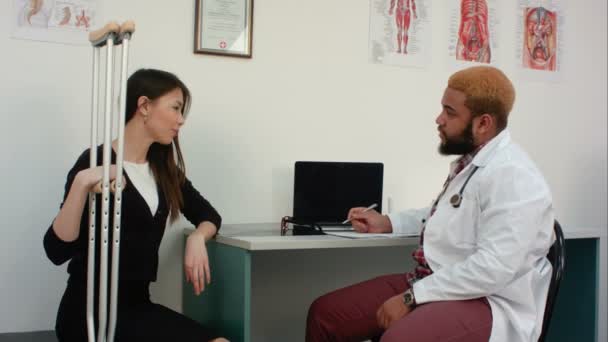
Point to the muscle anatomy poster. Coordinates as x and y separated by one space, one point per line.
400 32
473 33
539 38
62 21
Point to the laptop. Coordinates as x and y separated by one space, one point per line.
324 192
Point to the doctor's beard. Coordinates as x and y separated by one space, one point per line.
459 145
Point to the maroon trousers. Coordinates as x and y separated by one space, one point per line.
349 314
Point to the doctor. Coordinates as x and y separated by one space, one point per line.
481 272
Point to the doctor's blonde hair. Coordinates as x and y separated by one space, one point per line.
488 90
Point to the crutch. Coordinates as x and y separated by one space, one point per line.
110 35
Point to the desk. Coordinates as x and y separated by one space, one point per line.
263 283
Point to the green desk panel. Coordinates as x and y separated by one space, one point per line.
225 303
575 313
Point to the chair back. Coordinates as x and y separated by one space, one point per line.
557 258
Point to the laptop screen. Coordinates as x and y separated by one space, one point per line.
324 192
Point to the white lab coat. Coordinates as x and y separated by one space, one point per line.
495 244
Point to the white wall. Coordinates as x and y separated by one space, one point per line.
308 93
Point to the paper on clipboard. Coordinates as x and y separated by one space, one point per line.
356 235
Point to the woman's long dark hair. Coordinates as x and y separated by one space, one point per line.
167 166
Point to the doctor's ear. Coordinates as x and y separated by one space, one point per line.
485 123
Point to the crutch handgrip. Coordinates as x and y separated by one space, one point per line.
127 27
98 37
97 188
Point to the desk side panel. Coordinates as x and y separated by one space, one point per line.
575 313
224 306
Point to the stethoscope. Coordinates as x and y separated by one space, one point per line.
456 199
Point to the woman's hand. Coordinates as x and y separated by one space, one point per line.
89 178
67 222
196 261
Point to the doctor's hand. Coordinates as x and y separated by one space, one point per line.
196 262
369 221
392 310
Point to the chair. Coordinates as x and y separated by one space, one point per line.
557 258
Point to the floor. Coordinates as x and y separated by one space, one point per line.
36 336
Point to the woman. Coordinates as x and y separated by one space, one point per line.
156 189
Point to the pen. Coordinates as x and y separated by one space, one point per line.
364 210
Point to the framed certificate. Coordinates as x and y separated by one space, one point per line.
224 27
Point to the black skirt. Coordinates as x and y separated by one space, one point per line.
138 319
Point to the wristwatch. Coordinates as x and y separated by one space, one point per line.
409 299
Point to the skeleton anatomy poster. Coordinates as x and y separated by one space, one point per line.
400 32
62 21
539 38
473 33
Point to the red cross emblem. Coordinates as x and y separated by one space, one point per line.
223 44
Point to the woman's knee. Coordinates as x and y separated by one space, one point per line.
219 339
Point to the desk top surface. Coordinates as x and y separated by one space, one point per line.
266 236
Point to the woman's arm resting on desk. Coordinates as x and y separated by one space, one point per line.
196 260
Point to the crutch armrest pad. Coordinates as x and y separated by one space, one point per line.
102 33
127 27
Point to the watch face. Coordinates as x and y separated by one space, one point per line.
407 298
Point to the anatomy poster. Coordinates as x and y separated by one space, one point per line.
473 31
62 21
400 32
539 42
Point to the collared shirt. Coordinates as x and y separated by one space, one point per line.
422 268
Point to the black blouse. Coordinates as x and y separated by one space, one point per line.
140 232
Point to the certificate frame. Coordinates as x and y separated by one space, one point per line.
224 28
